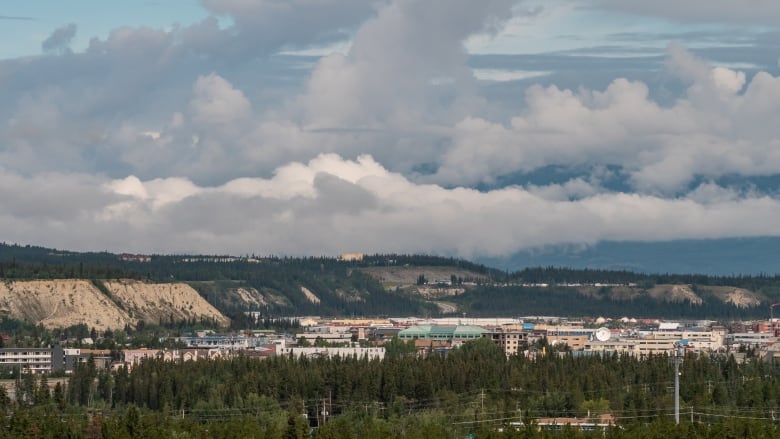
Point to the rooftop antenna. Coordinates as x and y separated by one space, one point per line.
603 334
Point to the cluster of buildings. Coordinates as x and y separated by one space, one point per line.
365 338
626 336
55 359
518 336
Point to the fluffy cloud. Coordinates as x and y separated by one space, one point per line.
720 127
394 60
217 104
262 26
206 138
330 204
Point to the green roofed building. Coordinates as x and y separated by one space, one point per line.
442 332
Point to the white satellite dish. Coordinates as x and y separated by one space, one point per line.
603 334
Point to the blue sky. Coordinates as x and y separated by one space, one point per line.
474 129
564 26
27 24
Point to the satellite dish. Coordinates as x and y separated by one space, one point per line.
603 334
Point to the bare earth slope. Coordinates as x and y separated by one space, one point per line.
399 276
156 303
66 302
60 303
675 293
739 297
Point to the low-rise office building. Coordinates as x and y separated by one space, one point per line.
28 360
372 353
512 342
443 332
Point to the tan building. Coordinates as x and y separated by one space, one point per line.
512 341
619 346
351 257
660 342
575 342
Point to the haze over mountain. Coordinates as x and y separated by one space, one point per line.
718 257
475 129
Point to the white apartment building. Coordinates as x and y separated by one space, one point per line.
661 342
28 360
330 352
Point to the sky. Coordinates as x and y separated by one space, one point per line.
475 129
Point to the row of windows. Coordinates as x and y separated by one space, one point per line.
24 353
440 337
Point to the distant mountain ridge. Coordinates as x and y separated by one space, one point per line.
714 257
142 287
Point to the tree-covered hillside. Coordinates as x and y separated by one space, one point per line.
331 287
487 301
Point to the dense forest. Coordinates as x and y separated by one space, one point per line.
474 389
488 301
24 262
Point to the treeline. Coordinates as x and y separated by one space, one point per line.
344 290
475 388
17 261
341 289
428 261
22 262
338 293
278 423
488 301
549 385
559 275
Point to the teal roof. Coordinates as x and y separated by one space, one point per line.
468 330
442 332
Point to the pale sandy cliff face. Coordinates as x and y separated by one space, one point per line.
155 303
60 303
675 293
742 298
65 302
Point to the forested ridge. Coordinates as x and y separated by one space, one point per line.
475 388
344 290
26 262
487 301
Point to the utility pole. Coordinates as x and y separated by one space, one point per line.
679 352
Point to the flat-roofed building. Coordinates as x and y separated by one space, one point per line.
750 339
351 257
372 353
29 360
443 332
575 342
511 341
619 346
